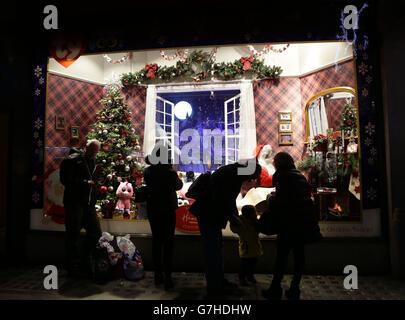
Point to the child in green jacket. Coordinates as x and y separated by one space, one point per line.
250 248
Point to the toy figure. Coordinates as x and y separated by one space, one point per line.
124 193
264 154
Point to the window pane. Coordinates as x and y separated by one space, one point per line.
159 105
168 108
230 117
159 117
237 116
168 119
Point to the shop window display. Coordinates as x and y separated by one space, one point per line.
319 128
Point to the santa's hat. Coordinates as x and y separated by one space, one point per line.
258 149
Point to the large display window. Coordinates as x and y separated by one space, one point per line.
211 106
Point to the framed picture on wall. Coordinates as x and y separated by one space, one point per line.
74 132
285 116
285 127
285 139
60 123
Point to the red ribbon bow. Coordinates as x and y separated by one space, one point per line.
151 70
246 63
137 175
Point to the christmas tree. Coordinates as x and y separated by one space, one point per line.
118 157
349 118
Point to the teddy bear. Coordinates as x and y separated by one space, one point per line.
124 194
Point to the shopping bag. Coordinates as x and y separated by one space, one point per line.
132 260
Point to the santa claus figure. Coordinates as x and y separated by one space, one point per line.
54 195
264 155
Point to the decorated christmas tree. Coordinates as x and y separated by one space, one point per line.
118 158
349 118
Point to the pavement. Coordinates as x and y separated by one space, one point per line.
27 283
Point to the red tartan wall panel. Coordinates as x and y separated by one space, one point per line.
77 101
270 98
135 97
327 78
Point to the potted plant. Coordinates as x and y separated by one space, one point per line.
320 143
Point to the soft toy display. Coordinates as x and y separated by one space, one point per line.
264 155
54 195
124 194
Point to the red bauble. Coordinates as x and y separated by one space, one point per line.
103 189
120 156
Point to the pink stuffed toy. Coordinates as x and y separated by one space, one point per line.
124 193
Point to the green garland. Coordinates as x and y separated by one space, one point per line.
200 66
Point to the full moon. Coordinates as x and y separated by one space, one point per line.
182 110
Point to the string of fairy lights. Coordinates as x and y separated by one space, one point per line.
182 55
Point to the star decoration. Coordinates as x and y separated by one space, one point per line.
41 80
368 142
369 79
35 197
37 92
363 68
370 129
364 92
371 193
38 123
373 151
36 134
38 71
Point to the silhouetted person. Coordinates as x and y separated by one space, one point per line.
213 212
250 247
162 183
78 174
298 223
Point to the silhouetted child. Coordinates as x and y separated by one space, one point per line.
250 248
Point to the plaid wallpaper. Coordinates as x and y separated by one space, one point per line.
326 78
77 101
334 109
135 96
270 98
292 94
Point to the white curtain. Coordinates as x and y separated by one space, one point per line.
318 120
324 117
247 140
150 120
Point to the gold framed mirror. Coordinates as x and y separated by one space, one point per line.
326 93
332 159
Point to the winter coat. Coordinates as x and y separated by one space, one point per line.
162 183
293 203
220 203
249 242
75 171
